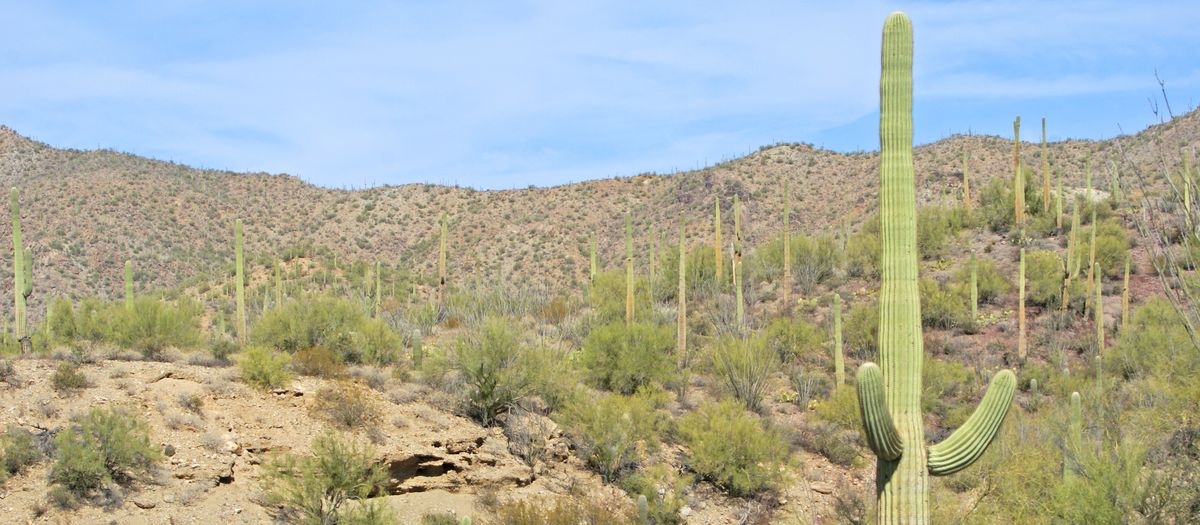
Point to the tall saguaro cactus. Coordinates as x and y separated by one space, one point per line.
717 248
787 246
592 259
1045 170
1018 179
128 284
974 288
1098 308
681 315
22 276
839 362
737 261
1074 437
1021 351
889 394
239 275
966 183
628 269
1125 297
443 227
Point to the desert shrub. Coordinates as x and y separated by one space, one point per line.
863 250
264 368
18 450
666 492
1043 278
221 348
62 320
841 408
314 489
996 201
835 442
614 432
942 307
441 518
152 325
336 324
813 260
944 384
624 358
317 361
67 377
988 281
494 365
733 449
346 406
1154 343
1112 247
745 365
565 510
105 445
607 296
936 227
794 339
861 330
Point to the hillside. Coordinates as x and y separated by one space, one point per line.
84 212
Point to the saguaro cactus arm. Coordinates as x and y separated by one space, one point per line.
882 436
967 443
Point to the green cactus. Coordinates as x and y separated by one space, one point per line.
1034 396
681 313
786 285
1058 204
628 269
1074 438
737 262
1021 351
643 508
592 259
1125 297
466 521
21 288
128 284
892 418
1045 169
1073 243
240 282
1098 308
717 248
974 289
1093 278
1018 180
417 350
441 268
839 362
966 183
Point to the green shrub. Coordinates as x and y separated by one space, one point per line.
1155 343
733 449
1043 278
625 358
944 384
317 361
813 260
835 442
152 325
441 518
18 450
614 432
607 296
841 408
106 445
336 324
68 378
936 228
794 339
745 365
264 368
862 330
943 308
996 204
665 491
315 489
1112 247
495 366
989 283
565 510
863 250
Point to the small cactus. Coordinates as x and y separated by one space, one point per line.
1074 438
643 508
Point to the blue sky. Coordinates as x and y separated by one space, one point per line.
503 95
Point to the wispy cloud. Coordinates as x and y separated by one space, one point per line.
551 92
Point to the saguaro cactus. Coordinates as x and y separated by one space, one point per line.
1125 298
628 269
442 260
1074 438
839 362
966 184
592 259
1045 170
974 288
1098 308
737 261
1021 352
643 510
128 284
892 418
787 246
239 275
1018 179
22 273
717 248
681 315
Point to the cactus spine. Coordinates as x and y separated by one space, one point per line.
628 269
1021 351
1045 169
966 181
892 418
239 275
717 249
839 362
737 261
1074 437
681 314
128 284
1018 179
974 288
787 245
1125 297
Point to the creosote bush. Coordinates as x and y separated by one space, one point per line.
18 450
264 368
494 367
105 445
68 378
150 326
319 488
625 358
336 324
734 449
989 282
613 433
1043 278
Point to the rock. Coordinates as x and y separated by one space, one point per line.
685 511
143 503
169 450
231 447
821 487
